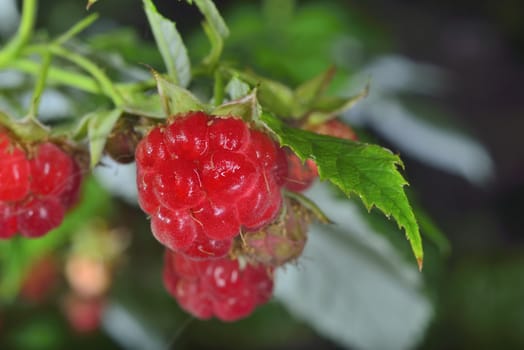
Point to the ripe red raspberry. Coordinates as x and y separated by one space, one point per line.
218 287
14 171
203 178
335 128
8 225
300 174
38 189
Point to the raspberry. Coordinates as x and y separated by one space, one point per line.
300 174
14 171
177 185
218 221
51 169
203 178
36 190
8 221
71 190
204 248
279 242
335 128
226 175
175 228
188 137
219 287
39 216
264 201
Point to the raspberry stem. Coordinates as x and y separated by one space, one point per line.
22 36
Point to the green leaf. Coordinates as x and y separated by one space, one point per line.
79 131
212 16
329 107
369 171
217 45
27 129
174 98
99 128
432 232
272 95
246 107
236 88
143 104
170 45
307 93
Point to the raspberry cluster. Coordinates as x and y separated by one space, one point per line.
36 189
217 287
203 179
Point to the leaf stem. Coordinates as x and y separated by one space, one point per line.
218 89
105 84
40 85
100 76
22 36
59 76
77 28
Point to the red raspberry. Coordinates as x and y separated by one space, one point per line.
71 190
204 248
202 178
335 128
188 137
300 174
39 216
35 191
227 175
217 287
177 185
264 201
51 170
174 228
14 171
8 225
